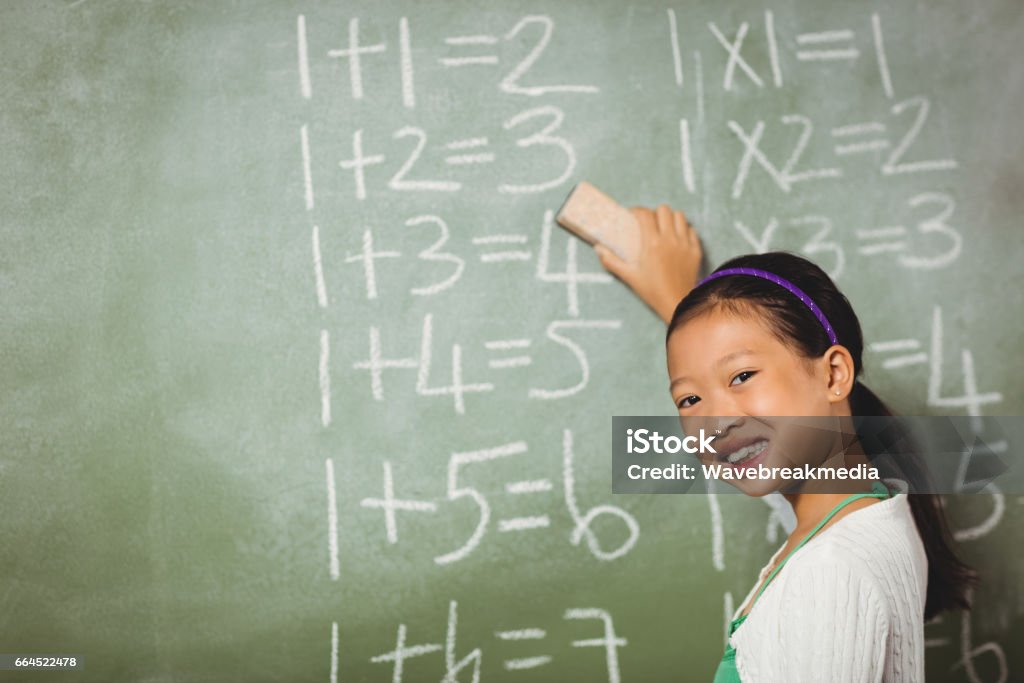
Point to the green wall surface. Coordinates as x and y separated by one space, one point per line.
299 373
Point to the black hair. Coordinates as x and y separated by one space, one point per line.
949 579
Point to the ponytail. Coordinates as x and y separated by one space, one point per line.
863 401
950 580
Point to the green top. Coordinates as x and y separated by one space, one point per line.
726 672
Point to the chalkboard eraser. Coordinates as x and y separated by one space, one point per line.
597 218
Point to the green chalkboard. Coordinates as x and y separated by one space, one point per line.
298 373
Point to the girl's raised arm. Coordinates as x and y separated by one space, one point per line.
668 263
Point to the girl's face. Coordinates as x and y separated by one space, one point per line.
728 372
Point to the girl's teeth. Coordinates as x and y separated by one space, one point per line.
748 451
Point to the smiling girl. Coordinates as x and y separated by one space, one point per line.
768 335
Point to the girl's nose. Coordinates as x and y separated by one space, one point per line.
722 411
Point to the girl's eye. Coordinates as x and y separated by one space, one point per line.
745 372
683 403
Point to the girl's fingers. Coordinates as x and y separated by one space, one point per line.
612 263
644 218
666 222
690 232
681 227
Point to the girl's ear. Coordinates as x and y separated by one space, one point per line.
839 373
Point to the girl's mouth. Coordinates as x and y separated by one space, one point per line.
748 456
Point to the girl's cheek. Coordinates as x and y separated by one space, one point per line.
777 401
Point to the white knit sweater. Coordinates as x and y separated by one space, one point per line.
847 607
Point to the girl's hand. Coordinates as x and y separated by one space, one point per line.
669 260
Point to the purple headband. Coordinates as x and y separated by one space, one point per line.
755 272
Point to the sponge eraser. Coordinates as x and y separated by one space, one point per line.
597 218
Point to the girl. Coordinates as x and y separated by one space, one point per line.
771 335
